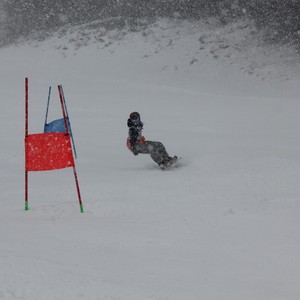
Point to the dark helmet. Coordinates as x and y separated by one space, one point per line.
135 116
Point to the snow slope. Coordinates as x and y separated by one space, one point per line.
225 225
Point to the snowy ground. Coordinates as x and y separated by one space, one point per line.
225 225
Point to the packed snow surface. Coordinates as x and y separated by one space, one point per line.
223 225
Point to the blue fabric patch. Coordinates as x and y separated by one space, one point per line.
57 126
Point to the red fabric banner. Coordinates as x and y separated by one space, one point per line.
48 151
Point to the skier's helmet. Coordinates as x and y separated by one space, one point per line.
135 116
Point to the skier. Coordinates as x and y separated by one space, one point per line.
137 144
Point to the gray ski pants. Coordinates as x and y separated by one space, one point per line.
156 150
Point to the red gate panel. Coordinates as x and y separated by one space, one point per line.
48 151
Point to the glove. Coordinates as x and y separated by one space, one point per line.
134 151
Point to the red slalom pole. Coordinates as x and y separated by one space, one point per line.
78 190
63 108
67 128
26 134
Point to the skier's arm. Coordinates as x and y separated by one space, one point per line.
133 135
133 138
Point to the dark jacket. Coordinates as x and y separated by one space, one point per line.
134 133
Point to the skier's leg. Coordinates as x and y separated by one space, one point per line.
156 150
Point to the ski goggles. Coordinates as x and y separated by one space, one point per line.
136 120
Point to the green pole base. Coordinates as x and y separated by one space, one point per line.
26 206
81 208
